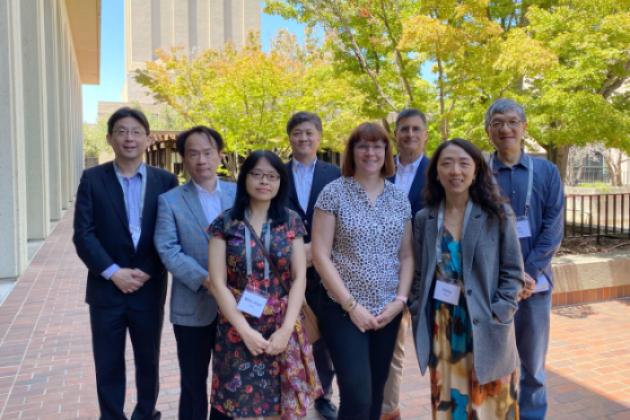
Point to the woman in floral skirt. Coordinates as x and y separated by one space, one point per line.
262 363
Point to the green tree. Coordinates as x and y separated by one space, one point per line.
248 94
94 138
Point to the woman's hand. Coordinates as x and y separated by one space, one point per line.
255 342
363 319
278 341
391 310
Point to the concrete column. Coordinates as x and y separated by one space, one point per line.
53 113
13 247
63 103
35 119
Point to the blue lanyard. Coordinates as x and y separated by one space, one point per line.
248 249
440 228
530 180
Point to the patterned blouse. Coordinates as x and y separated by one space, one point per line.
367 239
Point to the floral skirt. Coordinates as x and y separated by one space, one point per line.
244 385
455 392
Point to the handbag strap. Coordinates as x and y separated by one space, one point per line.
273 266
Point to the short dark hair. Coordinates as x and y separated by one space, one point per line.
370 132
277 211
125 112
302 117
408 113
483 191
212 134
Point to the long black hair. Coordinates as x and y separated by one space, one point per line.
277 209
483 191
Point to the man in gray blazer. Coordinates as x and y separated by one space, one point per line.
181 239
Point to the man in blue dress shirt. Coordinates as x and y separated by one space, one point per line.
534 189
114 222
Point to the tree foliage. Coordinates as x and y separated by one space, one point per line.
248 94
565 60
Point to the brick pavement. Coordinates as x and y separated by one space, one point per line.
46 368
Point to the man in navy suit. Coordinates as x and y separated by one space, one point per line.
114 222
184 213
308 177
411 166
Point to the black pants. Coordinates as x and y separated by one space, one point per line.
323 362
361 361
109 330
194 348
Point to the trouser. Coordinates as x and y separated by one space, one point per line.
109 330
532 322
194 349
391 396
323 362
361 361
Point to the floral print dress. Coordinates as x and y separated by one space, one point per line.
455 392
244 385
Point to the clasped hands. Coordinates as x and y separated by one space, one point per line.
528 288
129 280
257 344
365 321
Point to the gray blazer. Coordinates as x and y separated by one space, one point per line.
493 276
182 242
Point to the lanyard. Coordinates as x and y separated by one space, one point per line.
248 249
440 227
530 181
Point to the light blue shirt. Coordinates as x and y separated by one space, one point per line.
133 188
210 201
406 173
303 181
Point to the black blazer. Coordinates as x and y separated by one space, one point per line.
415 192
102 237
324 174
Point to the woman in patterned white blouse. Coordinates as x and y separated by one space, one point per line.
362 250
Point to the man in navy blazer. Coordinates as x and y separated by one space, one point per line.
184 213
308 176
411 167
114 221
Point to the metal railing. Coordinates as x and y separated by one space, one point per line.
597 215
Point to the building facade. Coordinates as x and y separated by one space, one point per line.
48 48
194 25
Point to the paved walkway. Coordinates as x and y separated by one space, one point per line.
46 368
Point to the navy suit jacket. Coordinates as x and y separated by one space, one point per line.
102 237
415 192
324 173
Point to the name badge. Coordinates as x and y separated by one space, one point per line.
542 284
252 302
522 227
447 292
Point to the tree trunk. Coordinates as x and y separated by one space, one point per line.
560 156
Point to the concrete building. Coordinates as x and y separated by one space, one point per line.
48 48
194 25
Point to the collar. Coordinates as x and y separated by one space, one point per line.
202 190
296 164
522 161
414 165
141 170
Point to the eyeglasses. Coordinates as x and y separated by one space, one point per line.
259 176
376 147
123 132
512 124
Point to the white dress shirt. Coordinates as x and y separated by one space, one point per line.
406 173
210 201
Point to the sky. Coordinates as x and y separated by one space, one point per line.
112 63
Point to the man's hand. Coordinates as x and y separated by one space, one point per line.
141 275
528 289
127 280
207 283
